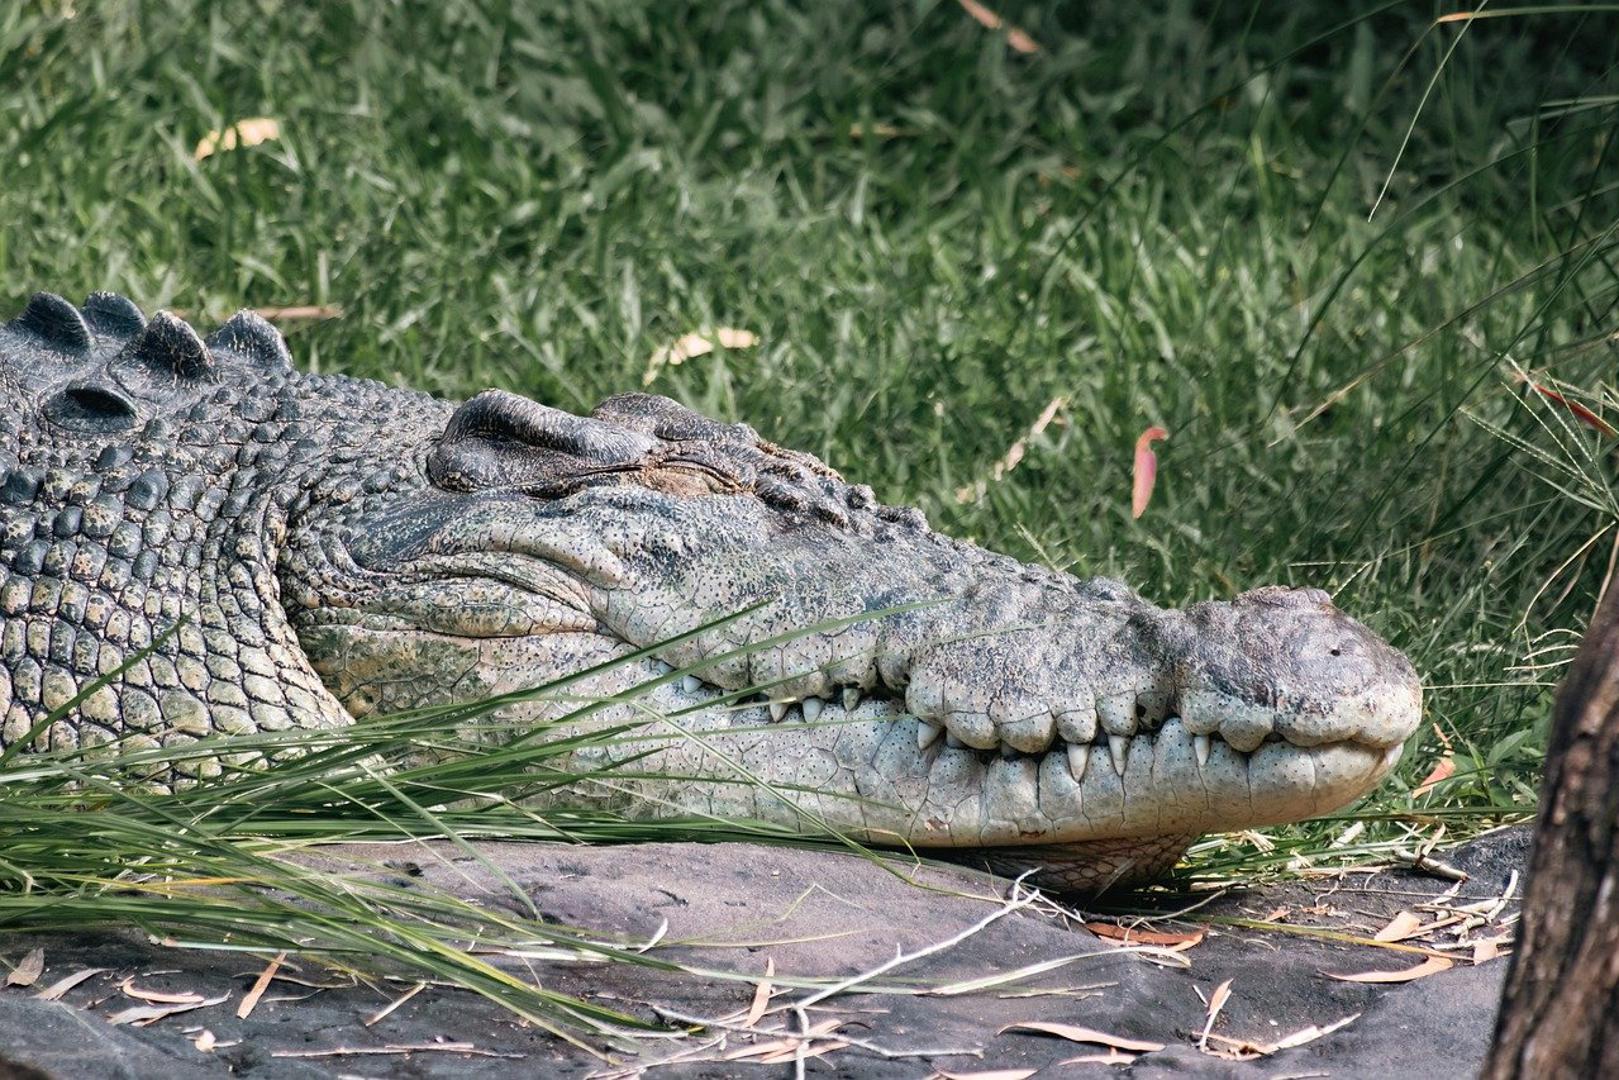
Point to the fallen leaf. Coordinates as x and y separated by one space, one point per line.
249 132
61 986
28 969
690 346
789 1044
245 1009
382 1013
1112 1057
158 997
761 995
142 1015
1309 1034
1145 472
1431 966
809 1051
986 18
1487 949
1136 936
1403 925
1075 1033
1217 1000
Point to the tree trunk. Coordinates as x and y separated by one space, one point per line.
1560 1011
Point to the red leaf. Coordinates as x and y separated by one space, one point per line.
1146 470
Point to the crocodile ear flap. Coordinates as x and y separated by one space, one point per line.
55 322
169 347
248 335
498 439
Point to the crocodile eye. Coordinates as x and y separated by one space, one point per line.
91 409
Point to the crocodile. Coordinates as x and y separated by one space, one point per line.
199 541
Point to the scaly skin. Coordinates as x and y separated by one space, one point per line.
339 548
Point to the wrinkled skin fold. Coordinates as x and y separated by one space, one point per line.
339 548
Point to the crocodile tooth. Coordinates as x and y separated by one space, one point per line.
1008 751
927 734
1119 747
1079 755
778 709
812 708
952 742
1202 744
851 698
691 684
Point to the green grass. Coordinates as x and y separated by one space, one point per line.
1158 218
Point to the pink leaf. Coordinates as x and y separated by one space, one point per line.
1146 470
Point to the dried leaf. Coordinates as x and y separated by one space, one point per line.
386 1010
1112 1057
790 1043
1075 1033
1402 926
1487 949
1015 36
1578 411
1309 1034
1217 1000
245 1009
248 132
1431 966
1442 770
61 986
761 995
28 969
1014 454
1134 935
794 1054
1145 472
159 997
690 346
142 1015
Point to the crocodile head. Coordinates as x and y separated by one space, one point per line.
328 547
911 689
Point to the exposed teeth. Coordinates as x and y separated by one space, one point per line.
1079 755
952 742
851 698
691 684
927 734
778 709
1119 748
812 709
1202 744
1008 751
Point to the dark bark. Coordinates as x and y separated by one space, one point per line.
1560 1011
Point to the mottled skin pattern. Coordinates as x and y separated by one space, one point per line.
339 548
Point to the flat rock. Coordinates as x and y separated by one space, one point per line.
811 913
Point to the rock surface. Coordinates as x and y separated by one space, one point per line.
820 913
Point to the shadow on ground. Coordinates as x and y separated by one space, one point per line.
733 906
